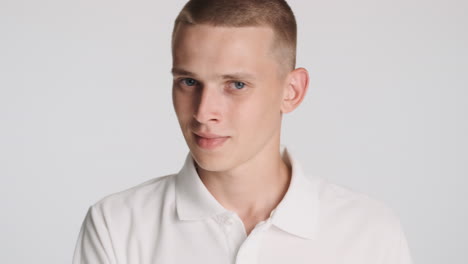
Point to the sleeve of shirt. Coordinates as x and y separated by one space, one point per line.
93 245
405 255
400 253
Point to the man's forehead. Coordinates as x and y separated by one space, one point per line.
197 37
220 29
223 52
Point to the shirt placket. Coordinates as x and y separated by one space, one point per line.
242 249
234 232
248 251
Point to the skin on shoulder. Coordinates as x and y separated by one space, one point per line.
229 95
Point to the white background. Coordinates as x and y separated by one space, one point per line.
86 110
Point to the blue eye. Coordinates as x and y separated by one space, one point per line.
189 82
239 85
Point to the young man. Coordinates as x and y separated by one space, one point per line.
240 197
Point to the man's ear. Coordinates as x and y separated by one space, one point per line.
295 89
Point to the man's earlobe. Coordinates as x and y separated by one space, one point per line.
296 89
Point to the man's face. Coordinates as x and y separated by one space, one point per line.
226 83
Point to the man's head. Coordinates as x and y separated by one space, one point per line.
234 76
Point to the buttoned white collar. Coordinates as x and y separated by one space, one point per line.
297 213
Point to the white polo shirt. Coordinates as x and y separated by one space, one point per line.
175 219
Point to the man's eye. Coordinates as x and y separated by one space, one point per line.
238 85
189 82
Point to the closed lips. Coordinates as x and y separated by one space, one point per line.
209 136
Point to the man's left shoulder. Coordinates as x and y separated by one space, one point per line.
348 207
365 225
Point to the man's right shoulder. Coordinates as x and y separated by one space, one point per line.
151 194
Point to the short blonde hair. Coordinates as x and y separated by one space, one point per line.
275 14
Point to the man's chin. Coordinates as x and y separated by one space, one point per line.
209 162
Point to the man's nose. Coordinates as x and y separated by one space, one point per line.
207 108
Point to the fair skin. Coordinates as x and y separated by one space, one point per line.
226 82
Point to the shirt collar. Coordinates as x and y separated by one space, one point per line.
297 213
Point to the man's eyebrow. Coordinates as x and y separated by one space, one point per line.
238 76
229 76
177 71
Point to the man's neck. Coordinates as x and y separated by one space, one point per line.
253 189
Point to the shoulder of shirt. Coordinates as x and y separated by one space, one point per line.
139 196
341 203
